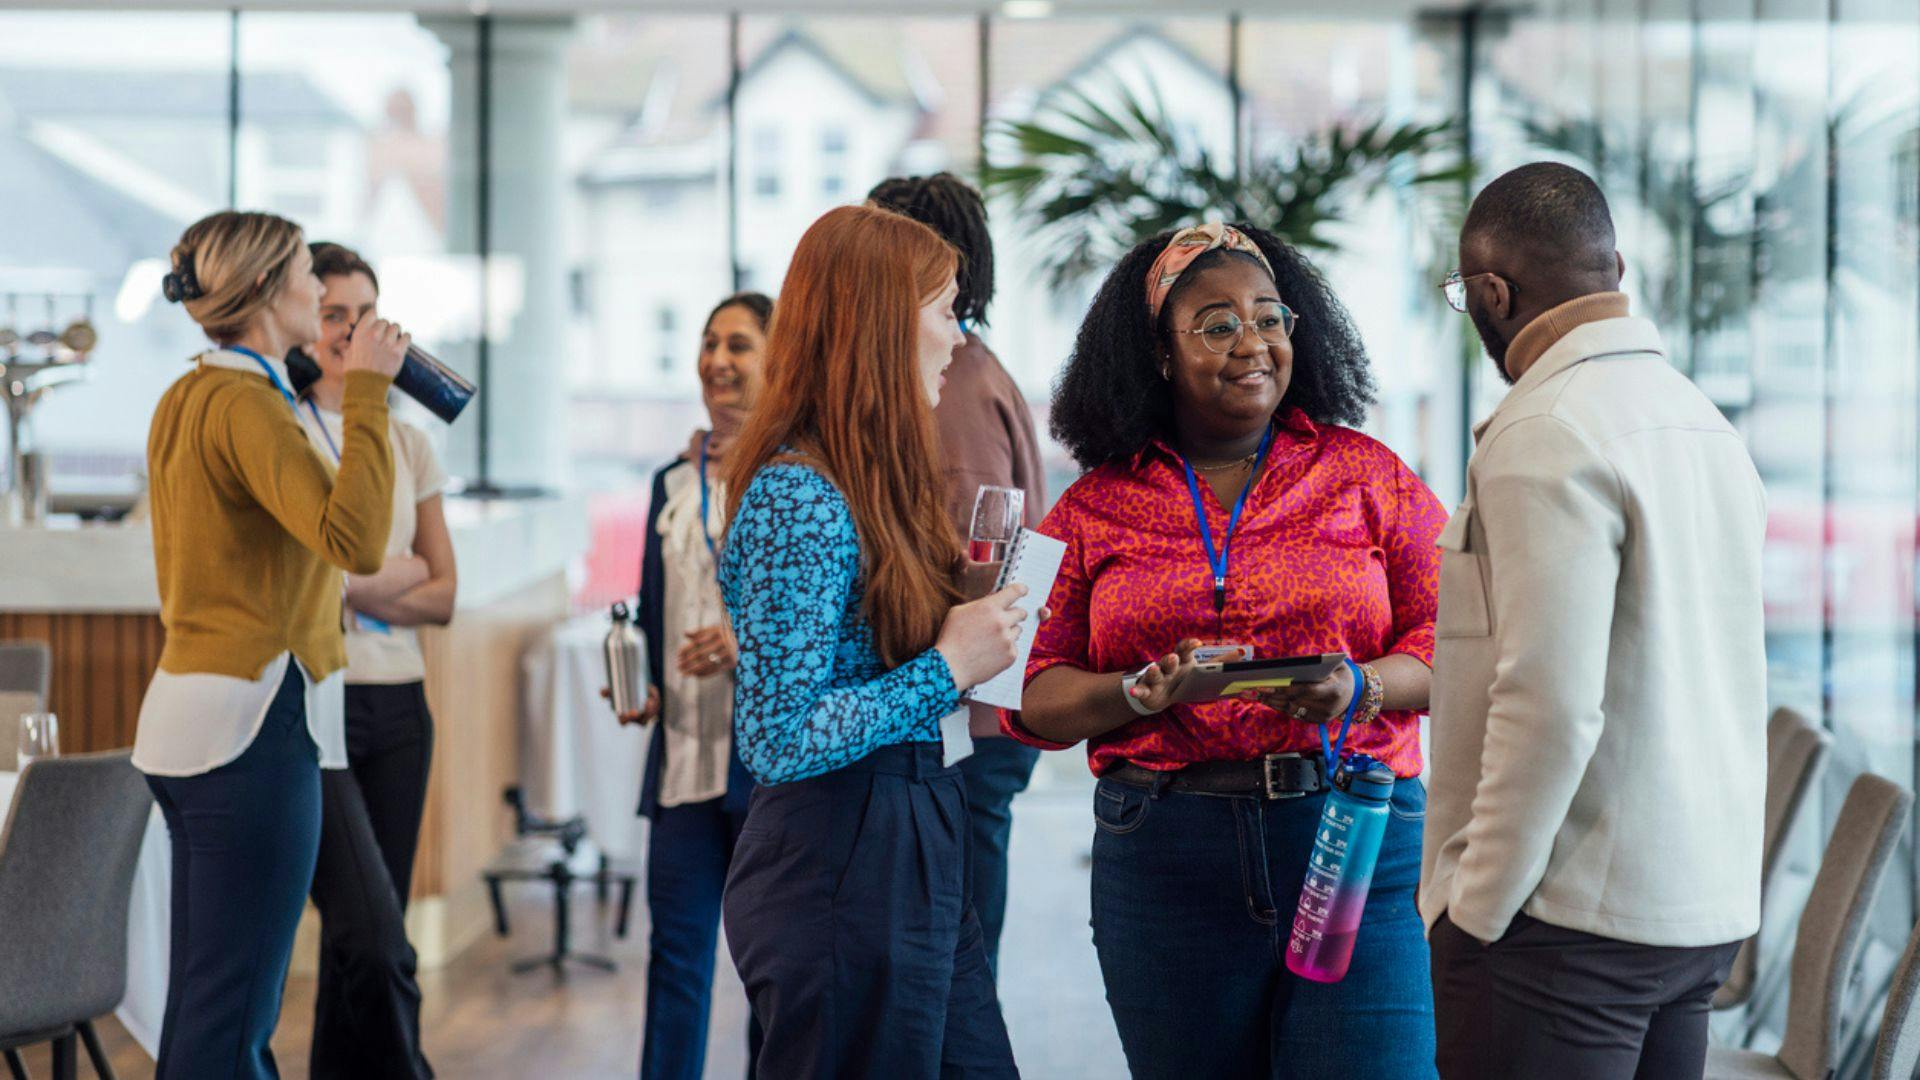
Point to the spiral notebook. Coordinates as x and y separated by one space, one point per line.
1033 561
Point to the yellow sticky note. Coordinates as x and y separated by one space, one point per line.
1254 684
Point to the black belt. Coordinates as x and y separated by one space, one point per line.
1276 776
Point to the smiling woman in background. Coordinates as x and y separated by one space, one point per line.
251 530
695 789
366 1011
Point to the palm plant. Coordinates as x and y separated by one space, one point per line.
1091 177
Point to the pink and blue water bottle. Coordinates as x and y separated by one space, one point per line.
1340 870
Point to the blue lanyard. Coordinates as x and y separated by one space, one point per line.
705 533
1333 752
324 433
1217 559
271 377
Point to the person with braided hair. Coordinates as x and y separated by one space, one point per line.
986 438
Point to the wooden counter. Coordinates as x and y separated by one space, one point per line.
89 592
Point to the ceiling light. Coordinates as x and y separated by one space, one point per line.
1027 9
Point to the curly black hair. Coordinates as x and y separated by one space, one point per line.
951 207
1110 400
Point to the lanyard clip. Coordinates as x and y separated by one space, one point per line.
1219 594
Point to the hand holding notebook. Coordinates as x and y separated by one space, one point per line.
1033 560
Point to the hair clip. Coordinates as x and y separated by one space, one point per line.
181 285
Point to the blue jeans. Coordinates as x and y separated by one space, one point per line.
996 771
687 858
245 836
1193 903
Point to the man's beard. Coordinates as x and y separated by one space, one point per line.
1495 345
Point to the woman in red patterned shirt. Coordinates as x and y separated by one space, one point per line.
1226 504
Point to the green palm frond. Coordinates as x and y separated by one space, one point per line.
1091 176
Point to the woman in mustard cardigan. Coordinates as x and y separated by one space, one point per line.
251 534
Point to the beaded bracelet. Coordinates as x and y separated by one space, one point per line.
1373 696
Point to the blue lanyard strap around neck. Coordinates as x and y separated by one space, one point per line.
271 376
705 496
324 433
1333 752
1217 558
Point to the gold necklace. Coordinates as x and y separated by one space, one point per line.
1242 462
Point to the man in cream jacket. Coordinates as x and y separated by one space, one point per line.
1592 849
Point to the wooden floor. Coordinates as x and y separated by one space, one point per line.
483 1021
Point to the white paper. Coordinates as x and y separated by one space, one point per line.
956 741
1033 562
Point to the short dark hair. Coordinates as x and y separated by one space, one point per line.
1548 213
951 207
760 304
339 260
1110 400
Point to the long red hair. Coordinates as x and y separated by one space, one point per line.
843 388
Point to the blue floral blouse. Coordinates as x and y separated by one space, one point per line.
812 694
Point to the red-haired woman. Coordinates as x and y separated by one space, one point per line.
846 906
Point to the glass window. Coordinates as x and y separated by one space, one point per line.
344 128
644 207
853 101
833 163
1040 69
1392 242
1871 397
116 140
764 161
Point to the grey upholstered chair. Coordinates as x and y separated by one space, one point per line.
1828 941
1796 752
1896 1054
67 854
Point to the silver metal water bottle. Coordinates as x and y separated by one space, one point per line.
626 664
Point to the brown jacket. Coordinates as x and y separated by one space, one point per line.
986 437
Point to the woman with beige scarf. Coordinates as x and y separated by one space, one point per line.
695 789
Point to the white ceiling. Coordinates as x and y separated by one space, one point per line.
1302 9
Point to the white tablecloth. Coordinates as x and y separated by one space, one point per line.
148 930
575 758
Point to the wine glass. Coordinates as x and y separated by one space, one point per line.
39 737
997 514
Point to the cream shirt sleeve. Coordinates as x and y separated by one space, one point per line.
1552 509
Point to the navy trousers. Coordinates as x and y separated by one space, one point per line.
1193 905
996 771
687 858
245 836
848 915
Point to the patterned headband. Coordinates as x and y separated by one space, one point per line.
1186 246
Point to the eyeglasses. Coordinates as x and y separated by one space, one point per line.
1456 288
1221 330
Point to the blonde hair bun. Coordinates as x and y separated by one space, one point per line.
229 267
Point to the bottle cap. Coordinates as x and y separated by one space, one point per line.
1362 777
620 611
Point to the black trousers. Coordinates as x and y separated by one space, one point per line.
1544 1001
366 1010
